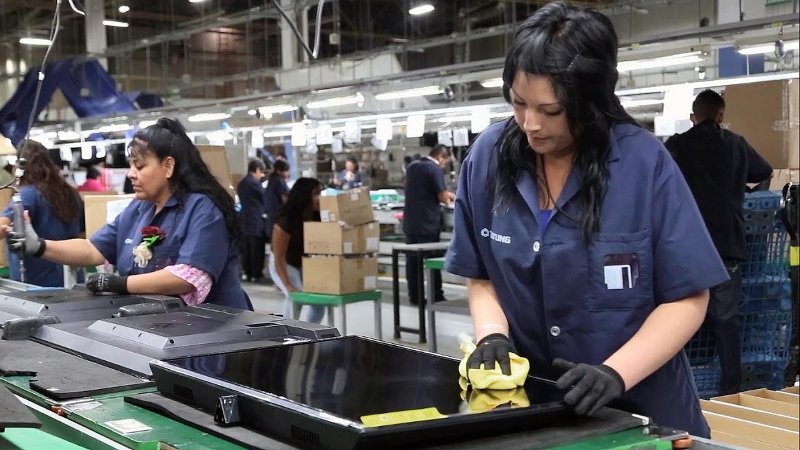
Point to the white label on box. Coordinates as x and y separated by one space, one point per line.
372 243
354 195
370 282
325 215
348 247
114 208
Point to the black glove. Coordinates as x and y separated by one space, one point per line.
28 243
590 387
107 282
494 347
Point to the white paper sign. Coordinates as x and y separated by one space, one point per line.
383 129
445 137
415 125
460 137
298 135
352 132
324 135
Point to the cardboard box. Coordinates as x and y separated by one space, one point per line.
331 238
766 114
792 390
352 207
742 441
761 433
784 397
782 176
339 274
102 209
751 414
216 160
762 403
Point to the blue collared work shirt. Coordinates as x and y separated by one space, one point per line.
48 226
552 285
196 234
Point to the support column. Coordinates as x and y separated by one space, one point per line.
288 39
95 30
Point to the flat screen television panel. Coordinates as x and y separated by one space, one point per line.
354 392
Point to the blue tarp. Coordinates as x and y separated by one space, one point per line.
86 85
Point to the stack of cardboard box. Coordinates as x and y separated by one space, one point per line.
758 419
341 249
766 114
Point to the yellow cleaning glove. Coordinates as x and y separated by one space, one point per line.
493 378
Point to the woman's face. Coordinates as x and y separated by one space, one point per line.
350 166
540 115
150 176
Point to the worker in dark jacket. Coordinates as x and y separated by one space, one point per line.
717 165
253 218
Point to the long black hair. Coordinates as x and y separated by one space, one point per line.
577 50
168 138
299 206
42 172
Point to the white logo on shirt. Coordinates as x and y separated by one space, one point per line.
495 237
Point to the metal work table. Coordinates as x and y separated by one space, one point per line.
422 251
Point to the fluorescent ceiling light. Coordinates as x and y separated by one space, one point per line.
196 1
408 93
657 63
448 119
492 82
205 117
337 101
34 41
276 109
284 133
251 112
767 48
116 23
124 8
114 128
421 9
640 103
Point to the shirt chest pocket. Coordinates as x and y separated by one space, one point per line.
620 271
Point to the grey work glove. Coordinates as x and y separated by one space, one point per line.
590 387
107 282
28 243
492 348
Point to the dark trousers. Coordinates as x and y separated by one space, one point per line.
412 276
723 316
252 255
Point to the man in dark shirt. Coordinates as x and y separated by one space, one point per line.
276 192
253 219
422 217
717 165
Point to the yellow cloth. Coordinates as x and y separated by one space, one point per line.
494 378
488 399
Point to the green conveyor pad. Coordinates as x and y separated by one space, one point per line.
113 407
33 439
165 430
623 440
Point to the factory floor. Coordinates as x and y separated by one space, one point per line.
360 316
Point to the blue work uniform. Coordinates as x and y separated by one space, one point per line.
196 235
273 199
564 297
48 226
352 184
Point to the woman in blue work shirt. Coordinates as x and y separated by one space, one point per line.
176 238
587 253
55 209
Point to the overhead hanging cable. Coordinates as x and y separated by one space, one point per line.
313 54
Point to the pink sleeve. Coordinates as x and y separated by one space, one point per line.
199 279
